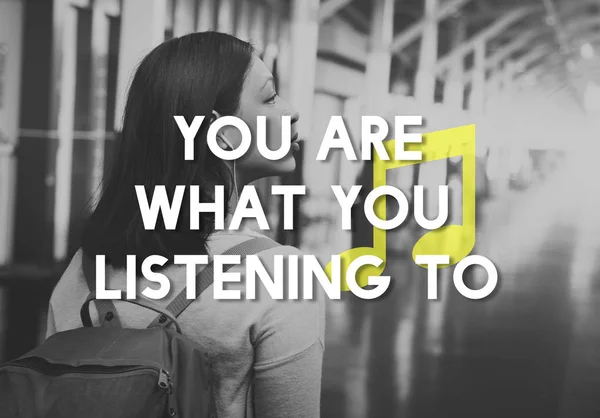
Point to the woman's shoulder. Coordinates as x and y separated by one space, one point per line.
301 319
221 241
71 279
68 295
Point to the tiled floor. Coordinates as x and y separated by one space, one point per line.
532 349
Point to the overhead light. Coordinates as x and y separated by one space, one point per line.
587 51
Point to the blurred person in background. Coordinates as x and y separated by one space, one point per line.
268 353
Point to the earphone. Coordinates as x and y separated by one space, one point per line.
237 197
224 139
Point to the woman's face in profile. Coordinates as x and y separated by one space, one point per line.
259 98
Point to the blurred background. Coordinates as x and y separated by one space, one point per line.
526 72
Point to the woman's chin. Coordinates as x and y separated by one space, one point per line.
283 167
287 166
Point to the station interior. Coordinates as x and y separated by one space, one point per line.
526 73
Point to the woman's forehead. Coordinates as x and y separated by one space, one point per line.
258 74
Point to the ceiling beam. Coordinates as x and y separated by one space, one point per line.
531 56
329 8
410 11
412 33
359 18
565 9
563 40
505 51
494 29
551 65
517 39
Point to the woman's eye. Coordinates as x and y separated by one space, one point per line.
271 99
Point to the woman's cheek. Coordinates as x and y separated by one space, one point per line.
271 133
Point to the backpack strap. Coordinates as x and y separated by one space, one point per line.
107 313
206 276
140 301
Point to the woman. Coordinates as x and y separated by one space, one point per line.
268 353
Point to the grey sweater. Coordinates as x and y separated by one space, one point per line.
268 353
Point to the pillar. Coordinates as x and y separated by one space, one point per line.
425 78
431 174
270 56
377 91
65 127
493 89
11 24
379 61
504 89
257 26
508 77
226 16
273 22
304 34
99 90
185 17
244 20
454 87
454 91
496 170
33 214
477 96
206 16
142 28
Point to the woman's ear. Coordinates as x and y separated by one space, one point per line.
223 143
215 115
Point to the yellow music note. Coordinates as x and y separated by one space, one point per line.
457 241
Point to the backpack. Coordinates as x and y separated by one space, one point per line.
110 371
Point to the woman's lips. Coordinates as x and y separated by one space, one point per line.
295 145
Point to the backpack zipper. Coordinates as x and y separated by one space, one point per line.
164 378
165 382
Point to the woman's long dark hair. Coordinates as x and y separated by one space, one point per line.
190 76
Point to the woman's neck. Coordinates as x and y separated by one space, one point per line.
242 179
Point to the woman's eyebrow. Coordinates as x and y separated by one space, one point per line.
269 79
